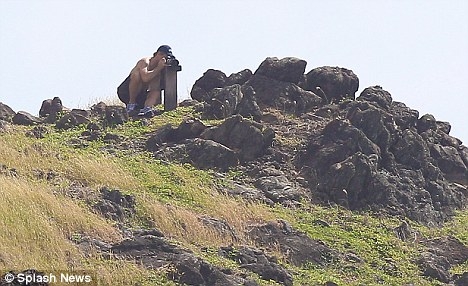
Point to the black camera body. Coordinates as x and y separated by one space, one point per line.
172 61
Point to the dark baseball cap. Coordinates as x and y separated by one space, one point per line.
165 49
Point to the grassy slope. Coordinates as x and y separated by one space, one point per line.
38 221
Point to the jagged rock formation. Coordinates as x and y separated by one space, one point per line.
363 153
296 137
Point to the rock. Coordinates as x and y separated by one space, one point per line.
338 141
461 280
5 170
426 122
279 189
349 175
115 115
434 266
219 226
256 261
297 247
287 69
449 248
99 109
189 128
231 100
72 119
6 113
377 125
211 79
239 78
24 118
411 150
237 133
374 164
51 107
4 126
203 154
443 126
115 205
224 102
153 252
248 106
404 232
404 116
247 193
376 95
207 154
162 135
336 83
282 95
189 102
450 163
38 132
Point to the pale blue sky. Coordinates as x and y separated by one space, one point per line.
81 50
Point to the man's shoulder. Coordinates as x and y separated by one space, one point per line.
144 61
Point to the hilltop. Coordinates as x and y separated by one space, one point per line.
272 177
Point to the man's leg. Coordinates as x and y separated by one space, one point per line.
135 86
153 98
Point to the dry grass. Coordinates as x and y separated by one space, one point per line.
28 157
36 226
186 225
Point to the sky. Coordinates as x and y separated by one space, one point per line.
81 50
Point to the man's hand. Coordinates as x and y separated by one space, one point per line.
162 62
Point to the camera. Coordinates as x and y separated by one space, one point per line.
172 61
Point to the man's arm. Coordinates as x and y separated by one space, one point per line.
148 75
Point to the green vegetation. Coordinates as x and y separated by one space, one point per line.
39 220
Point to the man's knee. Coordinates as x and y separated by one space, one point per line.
135 77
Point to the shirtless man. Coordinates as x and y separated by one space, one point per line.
147 75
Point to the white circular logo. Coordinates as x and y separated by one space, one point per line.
9 277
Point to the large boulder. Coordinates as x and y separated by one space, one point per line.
283 95
230 100
237 133
377 124
115 115
450 163
376 95
404 116
208 154
287 69
411 150
332 83
239 78
211 79
297 247
72 119
442 253
370 161
25 118
51 107
338 141
203 154
6 113
257 261
153 251
189 129
115 205
224 102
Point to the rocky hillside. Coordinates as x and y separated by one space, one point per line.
272 177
